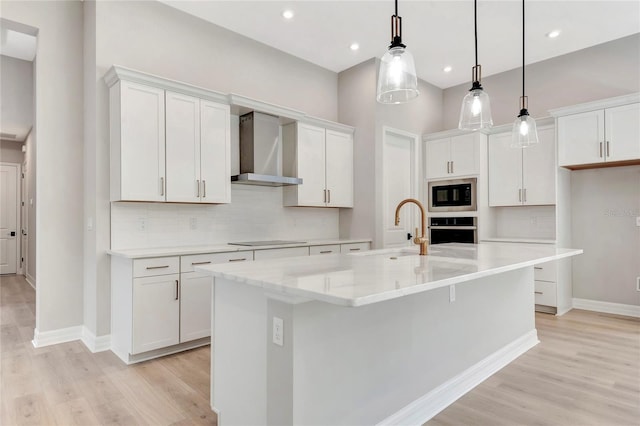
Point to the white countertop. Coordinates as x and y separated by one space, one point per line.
379 275
219 248
519 240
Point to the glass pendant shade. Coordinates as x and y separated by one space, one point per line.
397 80
475 113
524 132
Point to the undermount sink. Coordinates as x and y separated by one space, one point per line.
392 253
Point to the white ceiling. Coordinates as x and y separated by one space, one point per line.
438 33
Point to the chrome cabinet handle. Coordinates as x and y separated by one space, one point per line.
328 196
326 251
157 267
448 166
520 194
162 186
238 260
177 290
354 249
200 263
608 154
198 188
204 189
538 292
524 195
600 149
324 197
537 267
451 166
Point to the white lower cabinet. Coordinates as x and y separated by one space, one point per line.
195 303
354 247
328 249
279 253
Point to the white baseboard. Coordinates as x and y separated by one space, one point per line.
95 344
54 337
30 280
607 307
427 406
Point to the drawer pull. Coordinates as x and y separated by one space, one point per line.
237 260
326 251
177 290
537 267
200 263
538 292
157 267
354 249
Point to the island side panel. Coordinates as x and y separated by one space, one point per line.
361 365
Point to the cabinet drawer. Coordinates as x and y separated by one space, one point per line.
545 271
354 247
187 263
545 293
156 266
328 249
281 252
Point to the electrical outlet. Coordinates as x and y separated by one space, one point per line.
637 220
142 224
193 223
638 284
452 293
278 331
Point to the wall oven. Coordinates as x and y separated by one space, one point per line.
453 230
453 195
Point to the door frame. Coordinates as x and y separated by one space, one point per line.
416 181
18 167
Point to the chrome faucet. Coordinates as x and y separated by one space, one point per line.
421 240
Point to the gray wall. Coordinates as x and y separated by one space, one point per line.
11 152
58 130
598 72
154 38
16 86
358 107
604 207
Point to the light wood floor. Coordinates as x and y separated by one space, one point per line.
585 371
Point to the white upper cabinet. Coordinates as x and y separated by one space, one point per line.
453 156
609 134
167 145
522 176
137 120
323 158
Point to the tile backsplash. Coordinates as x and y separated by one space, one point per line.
526 222
255 213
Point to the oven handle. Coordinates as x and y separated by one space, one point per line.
463 228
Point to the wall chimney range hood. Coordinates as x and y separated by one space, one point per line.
261 152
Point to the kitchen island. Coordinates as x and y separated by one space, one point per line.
381 337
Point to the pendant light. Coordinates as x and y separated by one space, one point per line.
475 113
524 131
397 80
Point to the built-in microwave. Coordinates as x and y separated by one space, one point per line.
453 195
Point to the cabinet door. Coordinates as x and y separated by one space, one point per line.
156 310
622 130
539 170
195 306
183 148
311 165
339 169
581 138
142 135
438 156
465 155
280 253
505 171
215 152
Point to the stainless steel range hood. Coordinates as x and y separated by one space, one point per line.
261 152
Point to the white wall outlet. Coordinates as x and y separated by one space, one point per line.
142 224
637 220
638 284
193 223
452 293
278 331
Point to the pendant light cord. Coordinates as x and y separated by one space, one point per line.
523 48
396 7
475 26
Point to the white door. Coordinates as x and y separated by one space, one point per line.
622 127
581 138
465 155
311 165
183 148
24 220
438 156
195 306
339 169
505 171
215 152
400 181
8 218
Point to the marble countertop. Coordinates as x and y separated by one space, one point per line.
142 253
379 275
519 240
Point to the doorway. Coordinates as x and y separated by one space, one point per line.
9 217
400 166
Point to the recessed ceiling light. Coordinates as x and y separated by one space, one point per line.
354 46
553 34
448 68
287 14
